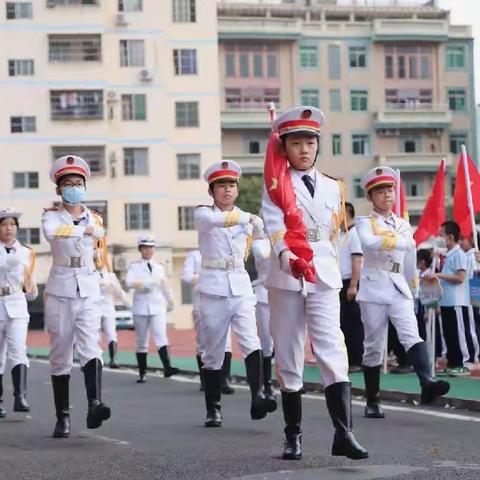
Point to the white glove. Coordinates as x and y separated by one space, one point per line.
285 258
12 261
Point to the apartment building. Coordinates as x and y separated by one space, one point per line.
131 86
394 79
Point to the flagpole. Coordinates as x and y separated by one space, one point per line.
398 190
469 196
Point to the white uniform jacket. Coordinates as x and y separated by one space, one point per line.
112 292
223 239
17 283
321 216
190 274
390 259
152 294
261 252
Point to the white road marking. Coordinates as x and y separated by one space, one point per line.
115 441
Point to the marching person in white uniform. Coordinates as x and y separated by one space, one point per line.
73 305
388 285
226 296
261 251
190 274
152 301
317 309
17 286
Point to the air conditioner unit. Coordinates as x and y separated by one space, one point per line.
112 96
145 74
120 263
51 3
120 20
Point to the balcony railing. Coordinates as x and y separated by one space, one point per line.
413 115
57 3
74 48
415 161
76 104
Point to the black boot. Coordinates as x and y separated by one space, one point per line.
60 384
227 389
431 388
267 385
97 411
213 384
292 413
3 412
373 409
254 367
339 404
200 373
168 370
112 350
142 366
19 380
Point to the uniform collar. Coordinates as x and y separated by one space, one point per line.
15 246
312 173
452 251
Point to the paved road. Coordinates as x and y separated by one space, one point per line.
156 432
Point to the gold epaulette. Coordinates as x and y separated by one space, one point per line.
50 209
333 178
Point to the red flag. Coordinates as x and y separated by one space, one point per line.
403 213
461 212
278 183
434 211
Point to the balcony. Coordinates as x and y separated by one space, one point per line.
413 116
76 104
263 28
251 164
415 204
414 162
234 119
420 30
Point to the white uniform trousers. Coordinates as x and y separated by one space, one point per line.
290 316
13 340
262 312
375 321
198 335
217 315
157 324
109 327
69 322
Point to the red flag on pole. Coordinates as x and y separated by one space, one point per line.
434 211
400 205
461 210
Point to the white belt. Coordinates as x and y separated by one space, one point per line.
222 263
7 290
387 265
70 262
318 235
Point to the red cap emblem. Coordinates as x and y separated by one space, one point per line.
70 161
306 114
224 164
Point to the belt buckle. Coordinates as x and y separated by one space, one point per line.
75 262
230 264
313 234
6 291
395 267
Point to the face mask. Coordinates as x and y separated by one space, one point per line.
73 195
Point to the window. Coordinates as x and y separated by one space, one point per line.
310 96
74 48
409 145
413 187
334 62
358 100
253 147
93 155
184 11
251 61
457 100
137 216
188 165
25 179
358 191
357 57
17 68
101 207
17 10
388 66
308 56
75 2
410 98
187 293
135 161
455 56
186 114
132 53
406 62
30 236
76 104
130 5
456 142
23 124
251 97
230 64
186 220
335 101
134 107
336 144
185 61
360 144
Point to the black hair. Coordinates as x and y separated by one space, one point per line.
425 255
350 209
451 228
59 180
15 220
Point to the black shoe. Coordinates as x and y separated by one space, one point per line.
200 373
213 382
431 387
373 409
60 384
267 385
97 411
142 366
19 380
227 389
339 404
112 350
168 370
292 414
254 367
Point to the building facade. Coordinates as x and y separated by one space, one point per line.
131 86
395 81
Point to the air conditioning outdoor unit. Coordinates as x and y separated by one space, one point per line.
112 96
120 20
51 3
145 74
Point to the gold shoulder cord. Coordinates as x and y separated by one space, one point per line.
343 213
248 247
389 237
27 275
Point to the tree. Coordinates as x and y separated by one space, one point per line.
250 196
